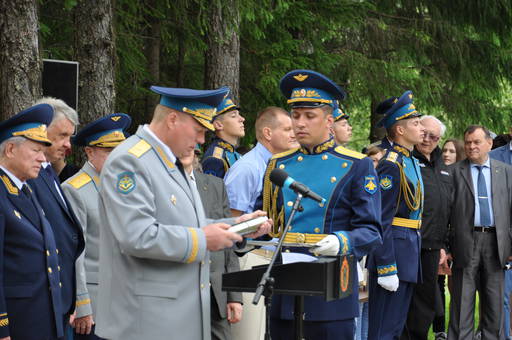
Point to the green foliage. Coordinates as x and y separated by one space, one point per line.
454 55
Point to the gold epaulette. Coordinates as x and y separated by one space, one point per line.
285 153
402 150
11 188
79 180
218 152
351 153
140 148
226 146
392 156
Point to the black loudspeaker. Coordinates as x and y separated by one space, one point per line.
60 80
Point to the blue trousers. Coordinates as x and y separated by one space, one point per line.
388 310
313 330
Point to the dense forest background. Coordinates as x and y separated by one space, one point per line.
455 56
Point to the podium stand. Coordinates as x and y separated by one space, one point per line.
329 277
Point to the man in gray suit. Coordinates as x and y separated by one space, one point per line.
154 263
480 239
226 307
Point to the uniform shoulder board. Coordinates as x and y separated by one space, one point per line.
140 148
285 153
392 156
79 180
351 153
218 152
11 188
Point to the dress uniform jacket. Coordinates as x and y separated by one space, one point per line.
30 297
401 235
154 271
215 202
66 228
219 157
82 192
348 181
402 201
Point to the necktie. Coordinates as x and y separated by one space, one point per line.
483 199
30 207
180 168
26 190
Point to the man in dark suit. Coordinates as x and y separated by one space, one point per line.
67 230
30 299
226 307
480 241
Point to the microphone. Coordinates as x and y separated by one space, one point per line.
281 179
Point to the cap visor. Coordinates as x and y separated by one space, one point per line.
306 104
205 123
46 142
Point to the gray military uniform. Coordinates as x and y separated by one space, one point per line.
154 271
82 193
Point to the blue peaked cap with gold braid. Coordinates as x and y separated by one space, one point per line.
395 109
227 104
339 113
30 123
306 88
105 132
200 104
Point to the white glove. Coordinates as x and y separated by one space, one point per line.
328 246
388 282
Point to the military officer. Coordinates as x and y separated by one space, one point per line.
30 297
229 128
98 138
154 270
395 266
349 223
65 225
341 128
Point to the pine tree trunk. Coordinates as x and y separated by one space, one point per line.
20 62
95 51
223 55
376 133
153 44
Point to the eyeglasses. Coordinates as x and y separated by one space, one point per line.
431 136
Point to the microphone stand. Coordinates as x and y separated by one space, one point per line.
266 285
